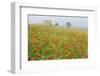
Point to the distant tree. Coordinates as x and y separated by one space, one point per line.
68 24
57 24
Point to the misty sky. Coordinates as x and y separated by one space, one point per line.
81 22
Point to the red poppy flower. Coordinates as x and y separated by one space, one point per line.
33 36
38 48
37 56
32 59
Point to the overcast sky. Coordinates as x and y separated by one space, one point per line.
75 21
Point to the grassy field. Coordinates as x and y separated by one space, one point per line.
52 43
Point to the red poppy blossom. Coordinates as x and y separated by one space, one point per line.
33 59
38 48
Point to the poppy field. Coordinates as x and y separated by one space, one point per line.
54 43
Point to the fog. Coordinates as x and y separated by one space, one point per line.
81 22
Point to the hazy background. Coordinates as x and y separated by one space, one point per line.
81 22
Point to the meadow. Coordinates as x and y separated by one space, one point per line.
54 43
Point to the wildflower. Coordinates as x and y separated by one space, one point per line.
37 55
33 36
38 48
32 59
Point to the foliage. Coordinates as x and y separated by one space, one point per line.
57 24
68 24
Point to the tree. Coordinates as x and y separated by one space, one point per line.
68 24
56 24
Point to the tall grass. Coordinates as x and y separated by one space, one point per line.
51 42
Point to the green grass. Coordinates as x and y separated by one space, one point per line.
52 43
